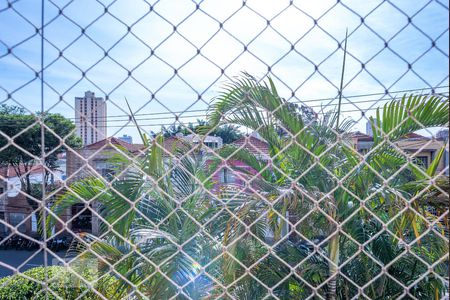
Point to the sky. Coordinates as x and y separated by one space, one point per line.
172 57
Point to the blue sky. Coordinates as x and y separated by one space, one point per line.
291 46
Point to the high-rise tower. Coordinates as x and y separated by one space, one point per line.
90 118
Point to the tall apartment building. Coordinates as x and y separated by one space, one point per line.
90 118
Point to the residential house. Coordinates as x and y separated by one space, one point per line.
14 206
422 149
234 171
212 142
94 160
442 135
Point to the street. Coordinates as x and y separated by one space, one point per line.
25 260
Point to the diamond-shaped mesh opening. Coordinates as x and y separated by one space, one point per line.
294 249
362 227
430 247
240 150
423 288
383 287
407 269
216 269
292 287
252 288
384 248
255 250
270 264
362 262
348 290
315 227
313 270
409 226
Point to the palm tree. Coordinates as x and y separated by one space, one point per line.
166 235
161 226
336 193
151 235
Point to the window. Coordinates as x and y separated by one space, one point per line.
34 223
363 151
227 176
105 168
212 145
421 161
83 220
15 219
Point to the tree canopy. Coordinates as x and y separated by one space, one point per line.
228 133
21 142
316 221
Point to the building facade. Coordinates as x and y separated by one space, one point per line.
422 149
95 160
15 209
90 118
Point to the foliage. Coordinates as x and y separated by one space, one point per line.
256 105
228 133
61 282
25 130
170 225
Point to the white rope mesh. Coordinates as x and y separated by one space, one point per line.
298 204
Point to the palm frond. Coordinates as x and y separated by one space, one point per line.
411 113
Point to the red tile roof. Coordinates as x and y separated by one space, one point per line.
254 145
361 136
174 142
116 142
9 171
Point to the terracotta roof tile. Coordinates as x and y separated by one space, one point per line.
9 171
361 136
254 145
114 141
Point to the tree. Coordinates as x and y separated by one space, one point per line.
164 229
307 164
228 133
155 228
24 150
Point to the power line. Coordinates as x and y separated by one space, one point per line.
205 110
178 118
297 101
309 100
179 114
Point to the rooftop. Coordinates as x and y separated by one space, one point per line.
110 141
254 144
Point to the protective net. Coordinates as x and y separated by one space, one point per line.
224 149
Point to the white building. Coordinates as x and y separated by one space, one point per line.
369 131
126 138
90 118
213 142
